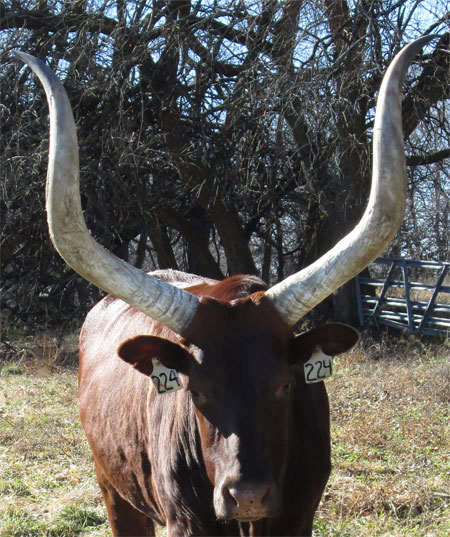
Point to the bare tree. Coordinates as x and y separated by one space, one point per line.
216 137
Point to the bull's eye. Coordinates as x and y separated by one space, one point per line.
199 398
283 390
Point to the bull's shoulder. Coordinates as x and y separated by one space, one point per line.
112 321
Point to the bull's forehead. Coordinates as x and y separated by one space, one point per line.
241 324
241 338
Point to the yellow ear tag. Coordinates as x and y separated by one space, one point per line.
164 380
318 367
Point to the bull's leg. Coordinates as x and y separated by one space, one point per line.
124 519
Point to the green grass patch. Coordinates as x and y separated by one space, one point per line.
11 369
71 521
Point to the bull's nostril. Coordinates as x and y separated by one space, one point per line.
235 496
229 497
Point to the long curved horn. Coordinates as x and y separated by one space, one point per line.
167 304
299 293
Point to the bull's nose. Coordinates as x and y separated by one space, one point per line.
246 495
247 501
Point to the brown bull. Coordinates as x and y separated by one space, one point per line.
244 446
246 440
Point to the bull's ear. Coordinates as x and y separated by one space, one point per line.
140 351
332 338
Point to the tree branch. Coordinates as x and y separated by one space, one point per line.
433 86
431 158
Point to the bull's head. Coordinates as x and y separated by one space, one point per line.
244 375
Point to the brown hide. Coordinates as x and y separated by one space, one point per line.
245 441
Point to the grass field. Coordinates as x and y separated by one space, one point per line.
390 412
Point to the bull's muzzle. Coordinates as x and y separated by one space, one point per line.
246 500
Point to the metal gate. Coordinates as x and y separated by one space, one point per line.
406 294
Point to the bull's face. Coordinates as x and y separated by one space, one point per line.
241 388
238 369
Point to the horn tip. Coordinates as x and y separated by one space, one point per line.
26 58
412 48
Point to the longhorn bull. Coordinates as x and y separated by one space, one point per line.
244 446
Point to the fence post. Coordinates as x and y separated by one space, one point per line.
407 297
383 292
359 300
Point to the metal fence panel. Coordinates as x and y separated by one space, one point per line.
394 297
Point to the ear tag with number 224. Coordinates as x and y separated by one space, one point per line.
164 380
318 367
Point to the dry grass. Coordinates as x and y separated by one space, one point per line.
390 429
47 484
391 444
